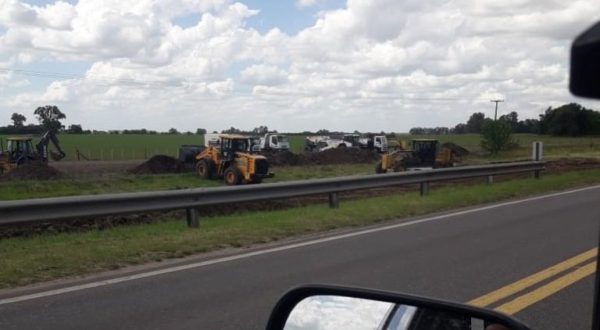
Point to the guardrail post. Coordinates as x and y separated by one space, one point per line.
192 218
334 200
424 188
490 179
536 155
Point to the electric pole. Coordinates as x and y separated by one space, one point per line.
496 111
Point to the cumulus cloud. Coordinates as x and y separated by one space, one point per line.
263 75
370 65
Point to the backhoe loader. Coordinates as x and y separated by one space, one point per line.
20 151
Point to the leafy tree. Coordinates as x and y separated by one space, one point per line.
231 130
75 129
460 129
496 135
570 120
49 117
512 119
475 122
528 126
201 131
18 119
261 130
173 131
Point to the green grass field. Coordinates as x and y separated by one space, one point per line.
123 147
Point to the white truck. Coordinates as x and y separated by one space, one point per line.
274 141
378 143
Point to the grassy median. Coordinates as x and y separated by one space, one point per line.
45 257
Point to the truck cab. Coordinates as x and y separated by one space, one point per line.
274 142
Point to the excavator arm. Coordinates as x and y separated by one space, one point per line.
42 146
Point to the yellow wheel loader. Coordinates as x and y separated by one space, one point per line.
229 160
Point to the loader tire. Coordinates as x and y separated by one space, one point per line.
379 168
232 176
204 169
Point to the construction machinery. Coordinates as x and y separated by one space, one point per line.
378 143
20 151
274 142
322 143
231 161
423 153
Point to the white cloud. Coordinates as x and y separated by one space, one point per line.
372 65
263 75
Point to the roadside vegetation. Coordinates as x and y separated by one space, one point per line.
90 184
51 256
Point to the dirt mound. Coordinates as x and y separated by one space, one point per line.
456 149
32 172
327 157
341 156
282 158
159 164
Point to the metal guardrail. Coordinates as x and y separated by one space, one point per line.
46 209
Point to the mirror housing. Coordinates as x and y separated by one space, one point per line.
284 307
585 63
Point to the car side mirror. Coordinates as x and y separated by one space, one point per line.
585 63
329 307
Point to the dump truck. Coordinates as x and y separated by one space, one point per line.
422 153
231 161
20 151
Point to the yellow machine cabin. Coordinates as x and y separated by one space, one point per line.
423 153
230 160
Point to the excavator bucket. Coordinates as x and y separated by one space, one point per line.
56 156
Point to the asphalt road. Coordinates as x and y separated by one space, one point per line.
459 258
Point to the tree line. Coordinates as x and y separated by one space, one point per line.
49 118
567 120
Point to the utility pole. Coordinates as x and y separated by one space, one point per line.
496 111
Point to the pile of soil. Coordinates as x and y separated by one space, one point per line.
341 156
327 157
34 171
283 158
456 149
159 164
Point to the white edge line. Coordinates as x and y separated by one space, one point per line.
275 249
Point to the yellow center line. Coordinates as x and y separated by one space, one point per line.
547 290
531 280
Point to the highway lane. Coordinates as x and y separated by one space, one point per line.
459 257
